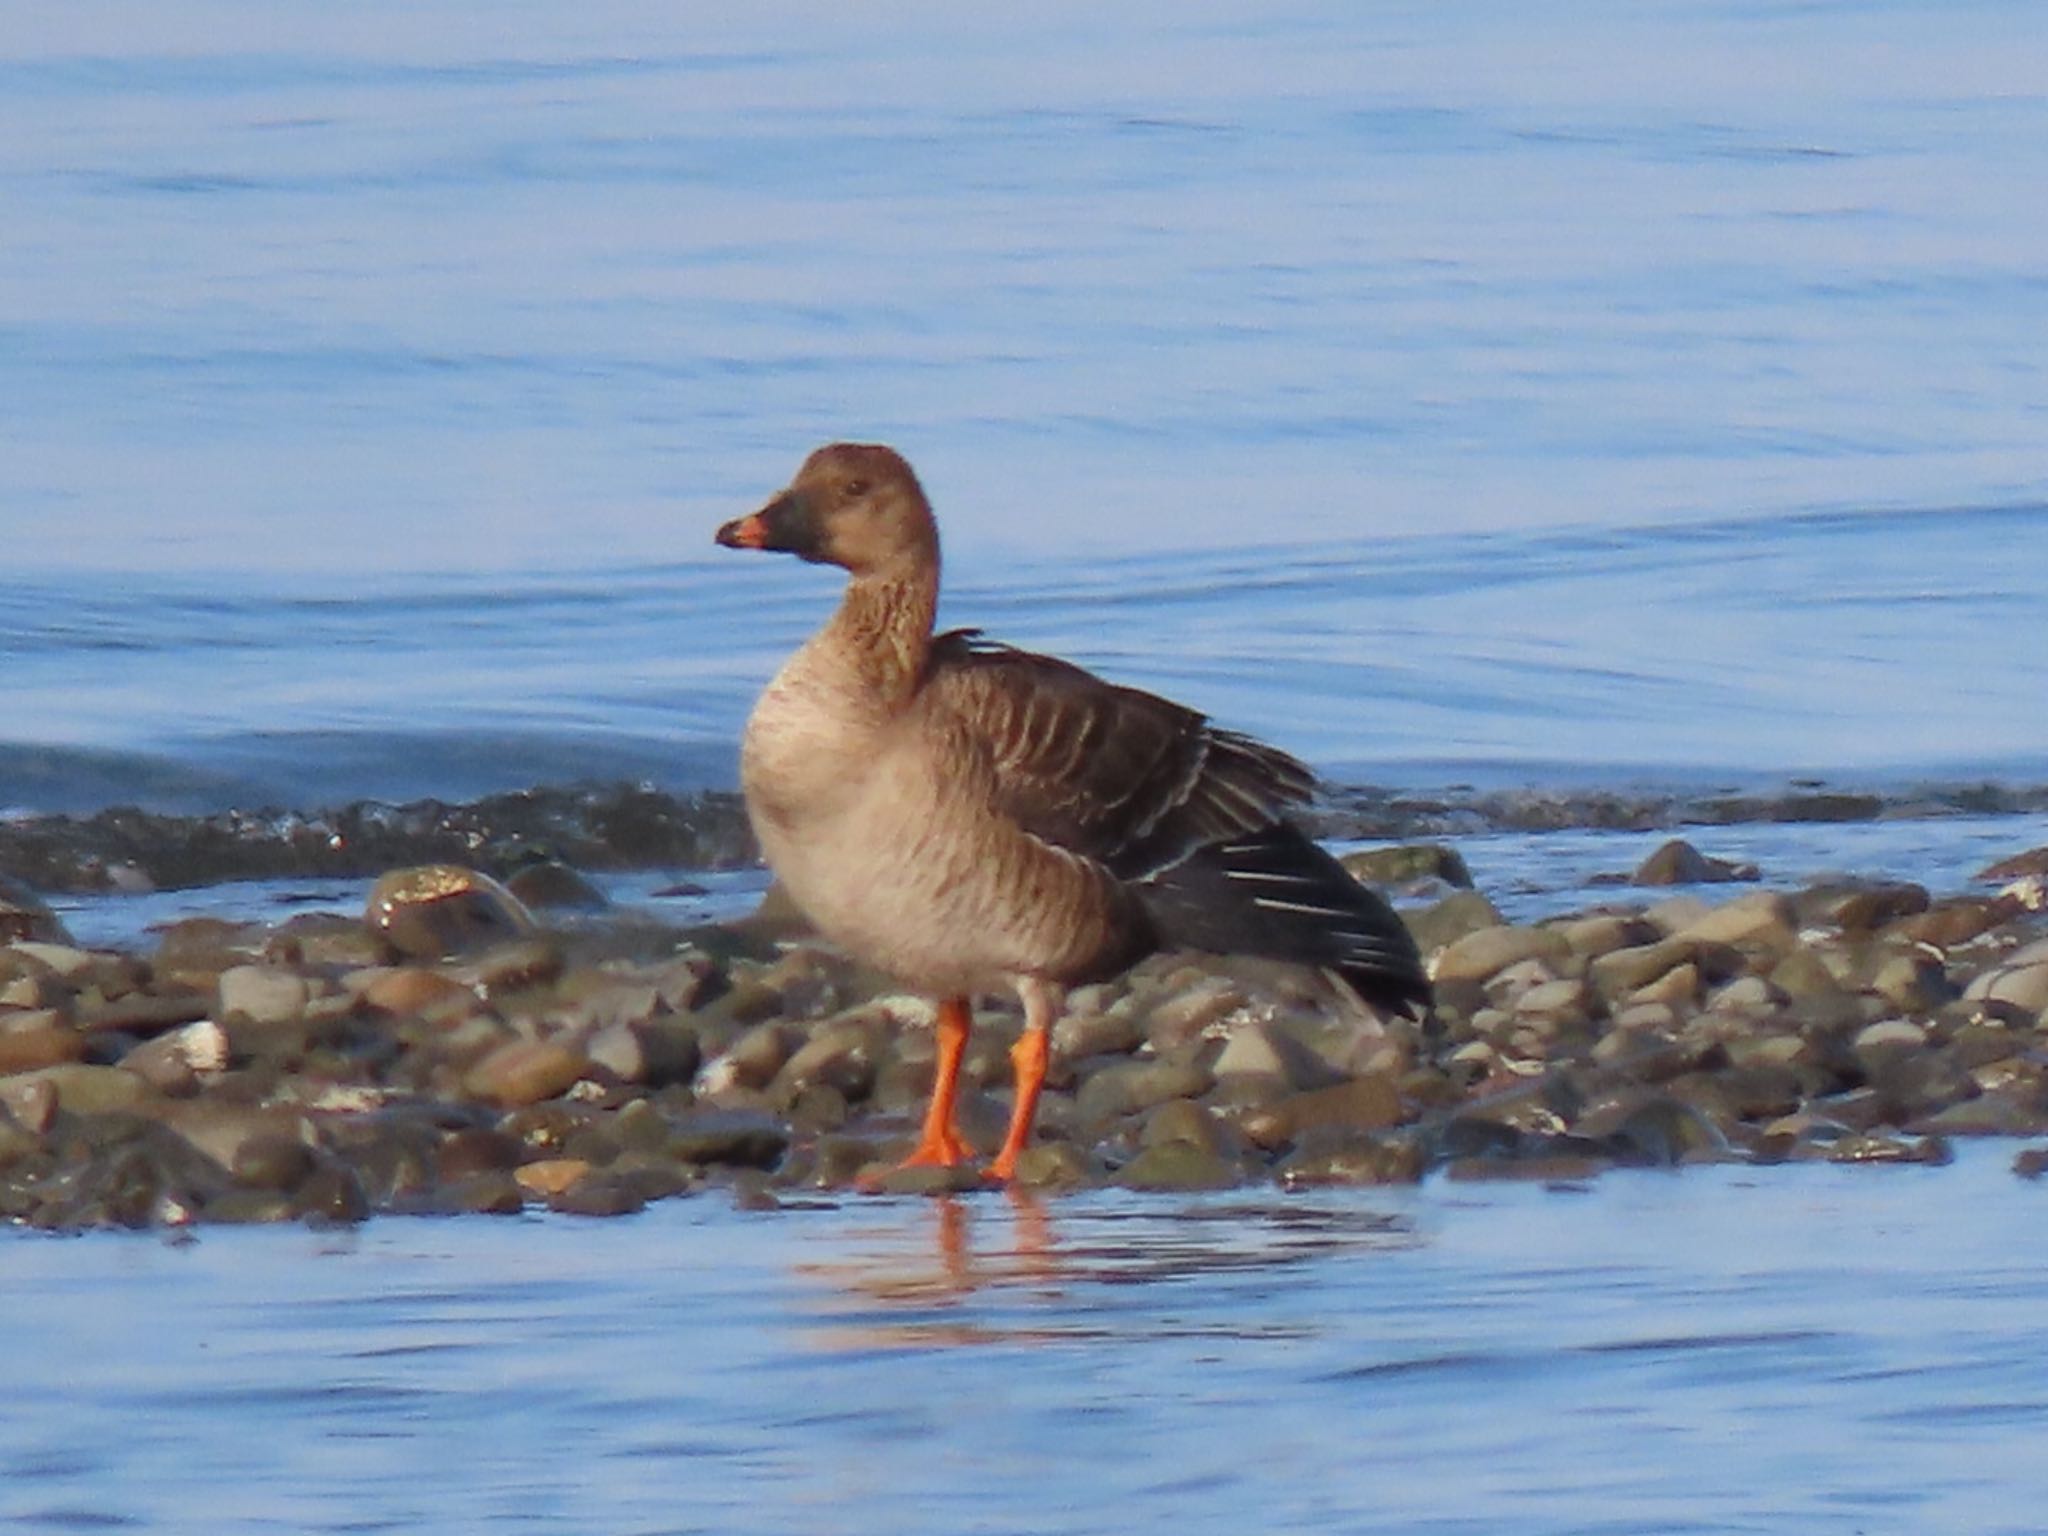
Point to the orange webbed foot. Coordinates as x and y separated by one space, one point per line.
947 1149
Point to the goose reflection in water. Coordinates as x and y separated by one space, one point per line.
980 1271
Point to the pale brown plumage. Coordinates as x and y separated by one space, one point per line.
975 818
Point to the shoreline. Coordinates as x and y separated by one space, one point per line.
621 826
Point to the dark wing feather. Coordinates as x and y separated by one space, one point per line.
1115 774
1193 818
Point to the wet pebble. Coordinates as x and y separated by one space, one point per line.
1406 863
26 916
37 1038
2015 991
525 1072
431 911
1677 862
291 1073
1126 1088
78 1088
1268 1052
1352 1159
1176 1166
739 1138
262 994
1484 953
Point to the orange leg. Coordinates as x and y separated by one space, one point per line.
1029 1056
940 1144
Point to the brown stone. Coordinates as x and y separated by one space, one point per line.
841 1056
1605 932
1913 982
1352 1160
754 1058
525 1072
1185 1120
2033 862
1130 1087
1680 987
1187 1013
551 1176
1952 922
1446 921
222 1129
1677 862
1364 1104
1267 1050
41 1045
1759 923
1178 1165
80 1089
475 1150
1480 955
1869 908
262 994
175 1062
412 989
2021 989
435 910
1802 973
25 915
1406 863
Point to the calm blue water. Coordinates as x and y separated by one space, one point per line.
1839 1351
1629 386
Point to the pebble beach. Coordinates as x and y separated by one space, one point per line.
491 1043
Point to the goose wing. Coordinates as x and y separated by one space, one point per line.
1193 817
1115 774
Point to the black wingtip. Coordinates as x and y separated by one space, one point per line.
1404 991
1276 893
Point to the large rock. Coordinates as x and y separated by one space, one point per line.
1436 926
525 1072
1130 1087
263 994
735 1137
1477 956
2033 862
1370 1103
25 915
79 1088
1264 1050
1761 921
2018 989
1175 1166
65 960
431 911
39 1045
1677 862
1406 863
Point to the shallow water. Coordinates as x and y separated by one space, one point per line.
1643 386
1528 875
1723 1350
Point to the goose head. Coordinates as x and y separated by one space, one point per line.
853 505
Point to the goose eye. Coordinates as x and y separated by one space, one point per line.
855 488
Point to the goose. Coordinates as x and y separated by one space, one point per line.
973 819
